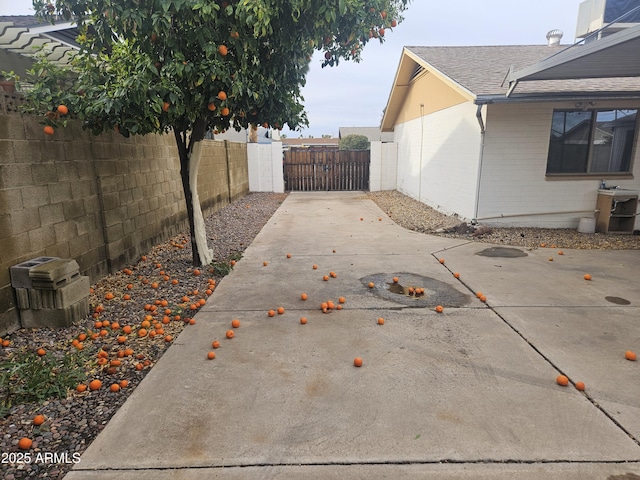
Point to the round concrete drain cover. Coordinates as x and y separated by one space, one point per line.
618 300
502 252
414 290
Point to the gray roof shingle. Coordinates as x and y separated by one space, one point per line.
481 70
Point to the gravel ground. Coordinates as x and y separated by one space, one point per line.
413 215
162 280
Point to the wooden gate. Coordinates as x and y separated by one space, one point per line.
326 168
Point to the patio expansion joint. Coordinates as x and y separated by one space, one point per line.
444 461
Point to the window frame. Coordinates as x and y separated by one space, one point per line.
592 130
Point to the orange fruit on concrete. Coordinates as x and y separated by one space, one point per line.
280 310
371 284
25 443
333 274
587 276
629 355
380 321
211 355
325 278
288 255
230 334
315 267
114 387
357 362
304 296
49 130
441 261
456 275
479 294
483 298
396 279
215 344
265 263
38 420
235 323
560 252
562 380
271 313
580 386
95 384
341 299
551 259
439 309
303 320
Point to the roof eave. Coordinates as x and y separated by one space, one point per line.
555 97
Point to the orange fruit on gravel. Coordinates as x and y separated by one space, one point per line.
95 384
168 338
123 383
122 339
192 321
38 420
235 323
271 313
215 344
439 309
580 386
25 443
304 296
629 355
380 321
114 387
303 320
357 362
142 332
126 329
562 380
587 276
109 296
211 355
81 388
230 334
42 352
280 310
371 284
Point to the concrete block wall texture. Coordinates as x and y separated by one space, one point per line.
102 201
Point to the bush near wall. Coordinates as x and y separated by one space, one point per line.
102 201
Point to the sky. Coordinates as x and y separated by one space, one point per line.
355 94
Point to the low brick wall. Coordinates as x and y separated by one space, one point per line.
102 201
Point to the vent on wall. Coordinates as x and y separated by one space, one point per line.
416 72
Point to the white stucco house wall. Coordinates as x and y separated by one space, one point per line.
536 157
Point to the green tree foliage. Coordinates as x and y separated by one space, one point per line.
354 142
190 66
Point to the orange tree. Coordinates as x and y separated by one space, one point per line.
190 66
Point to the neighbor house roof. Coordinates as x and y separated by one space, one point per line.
310 142
479 73
374 134
27 35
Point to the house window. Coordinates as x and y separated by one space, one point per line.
591 141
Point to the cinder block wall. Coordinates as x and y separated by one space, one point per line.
102 201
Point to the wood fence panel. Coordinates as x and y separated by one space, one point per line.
326 169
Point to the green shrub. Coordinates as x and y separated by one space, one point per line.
354 142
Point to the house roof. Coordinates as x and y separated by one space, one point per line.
310 142
26 35
614 55
374 134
